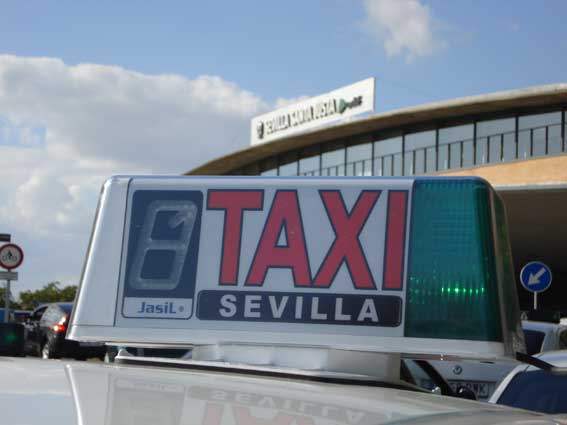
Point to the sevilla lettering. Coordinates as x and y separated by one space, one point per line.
220 401
300 307
253 308
243 416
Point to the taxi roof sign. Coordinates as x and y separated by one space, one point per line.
372 264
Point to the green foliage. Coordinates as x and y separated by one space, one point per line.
51 292
13 304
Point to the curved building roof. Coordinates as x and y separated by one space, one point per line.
493 104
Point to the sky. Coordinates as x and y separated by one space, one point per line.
94 89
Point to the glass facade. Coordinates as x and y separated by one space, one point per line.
288 165
388 157
456 147
333 162
359 161
428 150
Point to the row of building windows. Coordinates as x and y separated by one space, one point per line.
436 150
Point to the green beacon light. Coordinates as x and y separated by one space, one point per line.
460 275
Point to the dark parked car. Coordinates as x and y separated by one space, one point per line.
46 330
21 316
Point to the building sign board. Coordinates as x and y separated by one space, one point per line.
334 106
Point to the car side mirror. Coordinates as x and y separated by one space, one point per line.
466 393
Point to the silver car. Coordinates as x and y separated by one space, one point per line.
482 377
531 388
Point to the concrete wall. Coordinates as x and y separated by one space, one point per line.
532 172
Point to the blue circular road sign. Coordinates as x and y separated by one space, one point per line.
536 276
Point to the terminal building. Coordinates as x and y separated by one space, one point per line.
513 139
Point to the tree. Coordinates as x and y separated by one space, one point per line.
50 293
13 303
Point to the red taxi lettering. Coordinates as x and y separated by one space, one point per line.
395 240
233 203
242 416
346 247
213 414
282 241
284 219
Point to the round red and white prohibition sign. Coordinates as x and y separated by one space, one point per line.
11 256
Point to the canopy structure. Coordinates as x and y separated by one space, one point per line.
538 232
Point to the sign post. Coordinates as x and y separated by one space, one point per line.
11 256
536 277
7 302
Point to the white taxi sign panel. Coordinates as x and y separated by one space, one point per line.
308 261
261 260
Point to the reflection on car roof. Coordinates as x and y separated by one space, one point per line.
112 394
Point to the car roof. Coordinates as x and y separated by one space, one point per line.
65 306
235 374
556 358
541 326
74 392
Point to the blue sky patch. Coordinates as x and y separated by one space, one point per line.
21 135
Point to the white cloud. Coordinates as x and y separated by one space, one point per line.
402 27
102 112
97 121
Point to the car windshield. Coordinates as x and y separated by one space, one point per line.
534 340
537 390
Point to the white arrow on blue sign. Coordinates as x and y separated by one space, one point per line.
536 276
